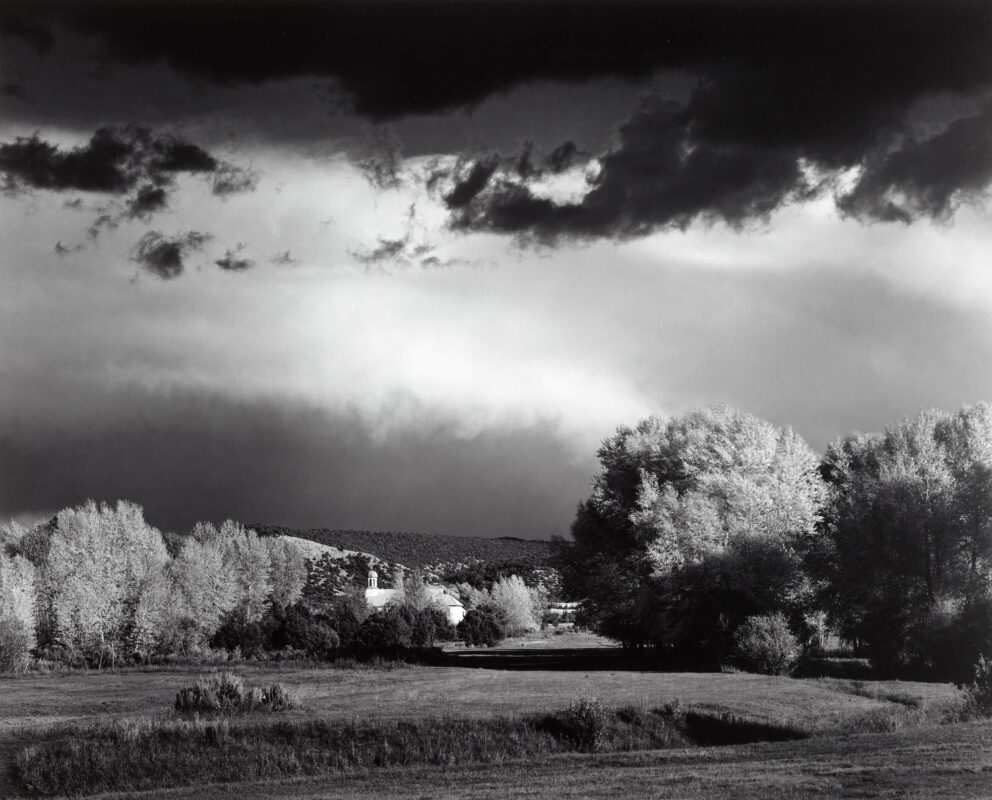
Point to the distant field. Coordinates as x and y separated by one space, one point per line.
37 700
420 549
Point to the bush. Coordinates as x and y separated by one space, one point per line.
978 693
482 627
765 644
237 632
227 693
15 645
299 629
582 725
384 630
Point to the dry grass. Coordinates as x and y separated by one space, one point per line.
416 692
29 704
950 763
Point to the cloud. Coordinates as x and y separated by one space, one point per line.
64 250
116 161
672 164
230 179
233 262
926 177
148 200
189 456
386 250
163 256
284 259
783 91
29 29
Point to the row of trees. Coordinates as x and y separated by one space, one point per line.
698 522
99 584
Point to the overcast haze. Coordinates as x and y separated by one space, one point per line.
405 266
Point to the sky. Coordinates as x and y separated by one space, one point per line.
404 266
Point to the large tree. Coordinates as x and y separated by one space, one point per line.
102 579
908 557
673 494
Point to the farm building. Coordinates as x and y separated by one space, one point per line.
439 596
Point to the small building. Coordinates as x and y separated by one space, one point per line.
439 597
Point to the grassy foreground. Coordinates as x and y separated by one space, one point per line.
161 753
952 762
34 708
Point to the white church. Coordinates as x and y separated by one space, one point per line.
439 596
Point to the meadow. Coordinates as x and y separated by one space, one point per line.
834 713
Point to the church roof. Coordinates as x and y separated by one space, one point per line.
377 598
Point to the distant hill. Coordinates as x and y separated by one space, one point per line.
422 549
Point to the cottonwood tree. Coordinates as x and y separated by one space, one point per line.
672 493
246 558
204 588
102 565
908 557
17 611
288 571
512 596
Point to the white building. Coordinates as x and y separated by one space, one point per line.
439 596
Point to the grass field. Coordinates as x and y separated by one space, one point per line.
29 704
952 762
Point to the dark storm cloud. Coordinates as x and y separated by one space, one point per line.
113 161
927 177
189 457
27 28
148 200
116 161
470 182
231 179
657 175
163 255
824 84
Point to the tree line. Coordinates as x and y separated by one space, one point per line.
98 585
701 522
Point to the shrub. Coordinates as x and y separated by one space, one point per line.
237 632
227 693
482 627
383 631
765 644
299 629
582 725
978 693
15 645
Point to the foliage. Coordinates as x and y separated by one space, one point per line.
978 693
17 611
301 630
582 724
698 608
288 571
384 630
905 568
104 564
513 598
227 693
672 495
765 644
484 626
